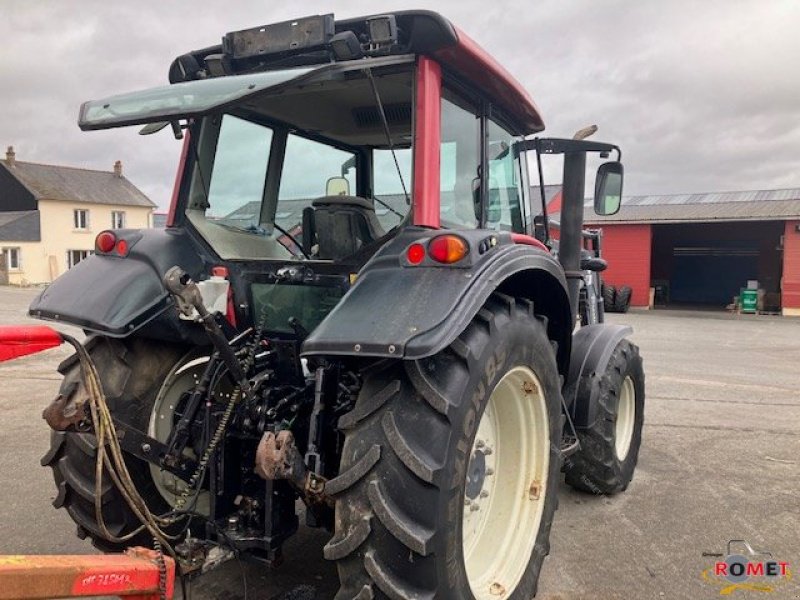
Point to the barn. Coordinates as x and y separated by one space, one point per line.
700 250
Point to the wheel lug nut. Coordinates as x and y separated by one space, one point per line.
480 444
487 451
484 494
474 507
489 471
467 501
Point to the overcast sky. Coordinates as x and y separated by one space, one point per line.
701 96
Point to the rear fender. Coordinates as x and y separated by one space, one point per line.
592 347
397 310
115 295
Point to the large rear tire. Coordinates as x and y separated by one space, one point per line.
448 478
609 449
132 373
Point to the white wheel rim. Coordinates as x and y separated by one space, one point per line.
626 417
182 378
506 486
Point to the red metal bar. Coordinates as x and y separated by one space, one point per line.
427 139
20 340
176 188
134 574
521 238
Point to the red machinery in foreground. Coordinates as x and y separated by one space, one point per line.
139 574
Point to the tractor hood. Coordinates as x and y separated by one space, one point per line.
189 99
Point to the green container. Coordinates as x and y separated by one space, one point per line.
749 300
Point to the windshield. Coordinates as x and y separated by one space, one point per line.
306 173
181 99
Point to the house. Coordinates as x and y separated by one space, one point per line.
50 216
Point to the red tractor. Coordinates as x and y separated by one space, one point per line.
354 303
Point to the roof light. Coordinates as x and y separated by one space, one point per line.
415 253
448 249
105 241
382 30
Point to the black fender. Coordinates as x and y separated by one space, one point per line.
592 347
115 295
399 310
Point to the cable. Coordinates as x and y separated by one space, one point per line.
110 457
386 131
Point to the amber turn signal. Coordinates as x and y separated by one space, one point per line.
448 248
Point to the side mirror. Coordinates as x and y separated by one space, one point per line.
608 189
337 186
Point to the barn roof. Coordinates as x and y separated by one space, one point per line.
754 205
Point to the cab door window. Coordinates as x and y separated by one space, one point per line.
504 204
460 156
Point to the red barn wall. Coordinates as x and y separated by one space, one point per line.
790 292
627 250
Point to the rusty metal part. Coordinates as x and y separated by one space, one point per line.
67 409
135 573
277 457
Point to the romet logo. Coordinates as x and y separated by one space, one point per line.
752 570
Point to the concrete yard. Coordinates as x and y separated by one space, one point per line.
720 460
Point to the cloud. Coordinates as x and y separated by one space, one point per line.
700 96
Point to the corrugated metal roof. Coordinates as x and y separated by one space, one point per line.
70 184
754 205
20 226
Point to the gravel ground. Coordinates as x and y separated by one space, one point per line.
720 460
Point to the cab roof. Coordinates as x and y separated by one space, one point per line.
307 41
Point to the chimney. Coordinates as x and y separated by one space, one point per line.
118 168
11 156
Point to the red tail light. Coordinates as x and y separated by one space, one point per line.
415 254
122 248
448 249
105 241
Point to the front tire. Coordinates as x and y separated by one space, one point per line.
609 449
423 444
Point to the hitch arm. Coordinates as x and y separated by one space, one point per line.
179 284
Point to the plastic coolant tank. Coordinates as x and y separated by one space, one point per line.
214 291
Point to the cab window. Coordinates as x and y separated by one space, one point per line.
504 206
308 166
460 162
239 171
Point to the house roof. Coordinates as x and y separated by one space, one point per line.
755 205
20 226
70 184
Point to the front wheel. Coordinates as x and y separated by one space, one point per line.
448 479
609 449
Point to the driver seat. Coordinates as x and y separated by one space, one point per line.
340 226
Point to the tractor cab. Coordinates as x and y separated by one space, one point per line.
415 125
317 141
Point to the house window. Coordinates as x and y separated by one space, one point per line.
117 219
80 219
76 256
11 257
